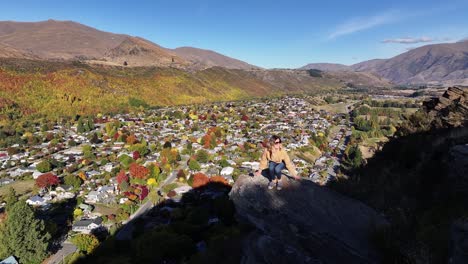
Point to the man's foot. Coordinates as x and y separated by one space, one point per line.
271 185
279 186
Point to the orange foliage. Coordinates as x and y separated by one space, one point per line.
131 139
200 179
139 172
219 179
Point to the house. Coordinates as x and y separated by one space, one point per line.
36 200
85 226
94 197
9 260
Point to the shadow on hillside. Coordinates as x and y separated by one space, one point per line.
409 181
201 228
57 220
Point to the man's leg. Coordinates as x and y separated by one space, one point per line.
271 170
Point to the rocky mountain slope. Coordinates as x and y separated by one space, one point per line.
431 64
303 223
438 63
450 109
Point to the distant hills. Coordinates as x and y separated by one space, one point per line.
431 64
68 40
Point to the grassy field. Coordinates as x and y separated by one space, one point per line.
339 108
21 187
104 210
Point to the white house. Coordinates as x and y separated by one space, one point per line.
85 226
36 200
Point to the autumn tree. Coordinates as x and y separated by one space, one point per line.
138 171
200 179
122 177
47 180
131 139
194 165
85 242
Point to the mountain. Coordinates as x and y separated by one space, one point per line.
53 39
329 67
209 58
68 40
437 63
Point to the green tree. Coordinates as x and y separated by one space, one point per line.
80 126
72 180
194 165
44 166
11 198
24 236
202 156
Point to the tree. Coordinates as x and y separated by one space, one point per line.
47 180
80 127
24 236
194 165
167 144
11 198
73 180
122 177
136 155
138 171
200 179
202 156
44 166
86 243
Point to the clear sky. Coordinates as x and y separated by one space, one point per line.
281 34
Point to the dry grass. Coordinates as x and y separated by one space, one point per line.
21 187
339 108
104 210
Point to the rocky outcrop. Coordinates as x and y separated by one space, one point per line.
459 243
303 223
449 110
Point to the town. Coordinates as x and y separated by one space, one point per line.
118 167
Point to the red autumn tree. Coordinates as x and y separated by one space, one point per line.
141 191
245 118
122 177
138 171
47 180
136 155
200 179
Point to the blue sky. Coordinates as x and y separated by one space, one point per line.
281 34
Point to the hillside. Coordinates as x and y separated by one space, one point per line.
53 39
68 40
66 88
207 58
438 63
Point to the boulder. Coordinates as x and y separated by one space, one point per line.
304 223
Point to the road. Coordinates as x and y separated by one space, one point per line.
67 249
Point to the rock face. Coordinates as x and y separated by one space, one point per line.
451 109
303 223
458 169
459 243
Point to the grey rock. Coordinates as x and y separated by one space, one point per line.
304 223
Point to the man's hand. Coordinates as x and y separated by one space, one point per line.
297 177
